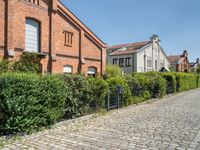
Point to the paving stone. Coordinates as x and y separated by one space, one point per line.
171 123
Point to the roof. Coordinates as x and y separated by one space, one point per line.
174 58
117 46
192 64
134 48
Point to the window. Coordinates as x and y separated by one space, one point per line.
32 36
128 61
156 65
115 61
149 63
68 38
34 1
68 69
92 71
121 62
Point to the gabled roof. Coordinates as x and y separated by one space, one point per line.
174 58
134 48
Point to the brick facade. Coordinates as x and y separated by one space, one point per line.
180 63
54 19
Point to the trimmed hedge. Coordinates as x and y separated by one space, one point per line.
78 99
98 92
170 81
119 81
139 87
157 86
185 81
28 102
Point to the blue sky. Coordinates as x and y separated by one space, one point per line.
177 22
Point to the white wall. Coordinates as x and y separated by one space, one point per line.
154 53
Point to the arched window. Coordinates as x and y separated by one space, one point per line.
92 70
32 36
68 69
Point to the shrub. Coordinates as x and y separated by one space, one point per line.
4 66
78 99
119 81
29 62
98 92
185 81
170 81
113 71
139 86
28 101
157 85
198 80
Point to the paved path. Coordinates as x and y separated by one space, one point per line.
171 123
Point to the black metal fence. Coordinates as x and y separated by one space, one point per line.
115 97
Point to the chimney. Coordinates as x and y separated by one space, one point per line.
198 61
185 53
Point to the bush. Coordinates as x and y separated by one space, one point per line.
119 81
98 92
198 80
157 85
78 99
170 81
29 63
4 66
28 102
139 86
185 81
113 71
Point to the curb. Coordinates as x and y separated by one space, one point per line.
76 120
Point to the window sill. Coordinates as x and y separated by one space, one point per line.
42 55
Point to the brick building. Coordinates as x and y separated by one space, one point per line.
179 63
48 28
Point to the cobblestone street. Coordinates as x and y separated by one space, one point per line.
170 123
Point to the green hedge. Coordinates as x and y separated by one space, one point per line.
98 92
78 99
119 81
157 86
28 101
139 87
170 81
198 80
185 81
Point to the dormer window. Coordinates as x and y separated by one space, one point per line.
68 38
37 2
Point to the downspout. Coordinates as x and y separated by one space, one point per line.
6 30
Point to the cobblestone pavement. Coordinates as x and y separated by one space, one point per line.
170 123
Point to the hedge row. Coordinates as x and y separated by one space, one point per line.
30 101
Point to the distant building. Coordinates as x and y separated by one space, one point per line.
139 57
195 65
179 63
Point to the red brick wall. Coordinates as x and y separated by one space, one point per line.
87 47
23 10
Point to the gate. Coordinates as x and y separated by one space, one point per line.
115 97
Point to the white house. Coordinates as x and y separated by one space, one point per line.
139 57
